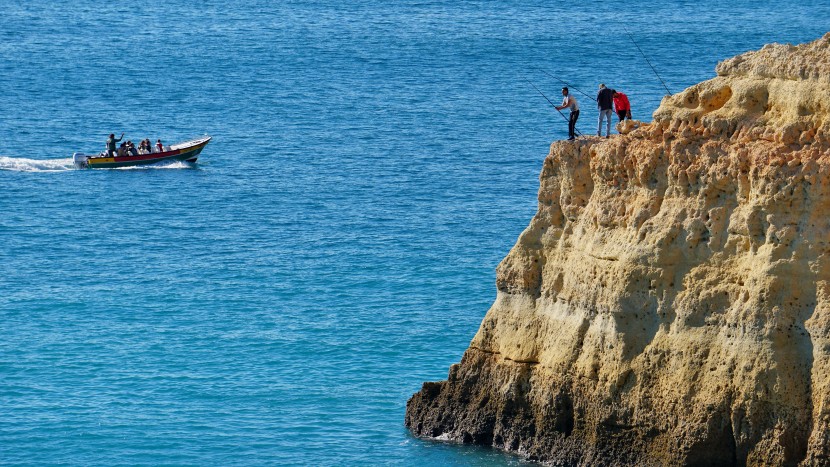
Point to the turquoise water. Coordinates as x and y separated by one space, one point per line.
335 245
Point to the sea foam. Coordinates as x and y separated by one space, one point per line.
19 164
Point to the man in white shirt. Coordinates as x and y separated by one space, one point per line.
569 102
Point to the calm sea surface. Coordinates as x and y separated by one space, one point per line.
334 247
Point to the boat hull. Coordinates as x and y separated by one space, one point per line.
188 152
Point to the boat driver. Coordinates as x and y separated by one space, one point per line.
111 144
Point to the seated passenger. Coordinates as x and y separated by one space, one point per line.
159 146
122 150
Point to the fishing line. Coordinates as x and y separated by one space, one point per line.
647 61
566 84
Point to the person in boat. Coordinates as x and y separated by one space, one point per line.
159 146
144 146
569 102
621 105
131 149
111 144
122 150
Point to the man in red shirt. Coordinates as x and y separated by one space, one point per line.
621 105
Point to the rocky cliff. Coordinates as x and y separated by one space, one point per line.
669 303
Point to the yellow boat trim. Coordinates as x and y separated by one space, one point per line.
101 160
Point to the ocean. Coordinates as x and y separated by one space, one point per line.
335 245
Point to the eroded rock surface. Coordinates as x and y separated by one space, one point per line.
669 303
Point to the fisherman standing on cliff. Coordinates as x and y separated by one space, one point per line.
569 102
605 104
621 105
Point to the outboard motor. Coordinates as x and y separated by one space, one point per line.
80 160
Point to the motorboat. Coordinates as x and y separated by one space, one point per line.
187 151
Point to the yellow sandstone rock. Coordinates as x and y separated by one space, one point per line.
669 303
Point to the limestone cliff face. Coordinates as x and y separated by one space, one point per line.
669 303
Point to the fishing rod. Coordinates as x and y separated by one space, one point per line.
554 105
566 84
647 61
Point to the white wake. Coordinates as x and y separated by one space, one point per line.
19 164
160 165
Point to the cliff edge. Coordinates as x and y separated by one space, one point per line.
669 303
